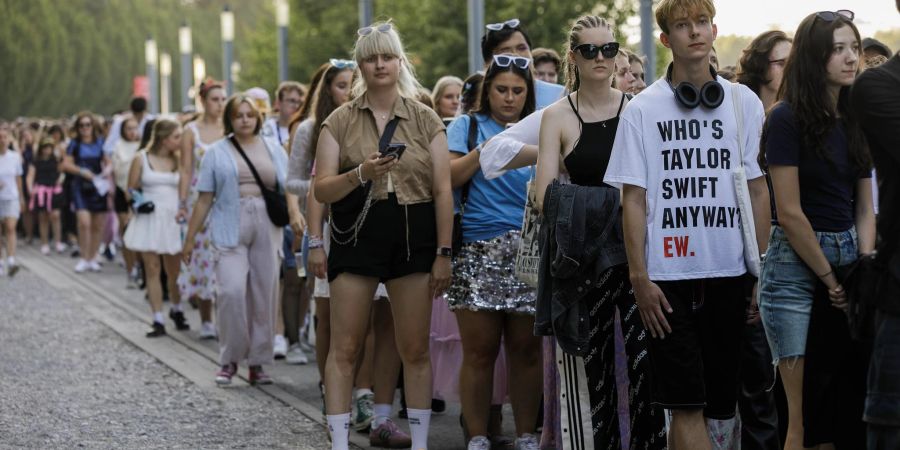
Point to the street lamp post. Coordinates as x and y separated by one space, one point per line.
165 86
227 47
282 17
150 55
648 43
366 11
476 28
185 48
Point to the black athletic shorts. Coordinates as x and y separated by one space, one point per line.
394 241
697 366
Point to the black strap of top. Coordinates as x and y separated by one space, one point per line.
569 97
621 103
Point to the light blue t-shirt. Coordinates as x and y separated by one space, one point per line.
494 206
546 93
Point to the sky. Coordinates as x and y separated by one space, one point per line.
750 18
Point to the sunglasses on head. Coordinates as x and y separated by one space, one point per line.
831 16
365 31
506 60
511 23
590 51
342 63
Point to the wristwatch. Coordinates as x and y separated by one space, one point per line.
444 251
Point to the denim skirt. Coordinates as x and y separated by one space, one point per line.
787 286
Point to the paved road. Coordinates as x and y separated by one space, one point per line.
76 370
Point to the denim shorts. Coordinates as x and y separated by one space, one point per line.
787 285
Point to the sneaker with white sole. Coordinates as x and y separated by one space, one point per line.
207 330
45 250
479 443
60 248
82 266
225 373
295 355
280 347
389 435
527 442
364 412
94 266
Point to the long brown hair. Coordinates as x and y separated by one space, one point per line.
804 89
323 104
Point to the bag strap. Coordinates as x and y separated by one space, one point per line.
240 150
471 143
739 115
388 133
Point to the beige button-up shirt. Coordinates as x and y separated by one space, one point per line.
353 127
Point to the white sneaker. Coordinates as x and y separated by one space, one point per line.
527 442
45 250
94 266
60 247
479 443
82 266
280 347
295 355
207 330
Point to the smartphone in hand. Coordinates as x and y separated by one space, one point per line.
394 150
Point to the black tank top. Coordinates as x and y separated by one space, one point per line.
46 172
588 160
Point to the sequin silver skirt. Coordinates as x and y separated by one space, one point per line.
484 277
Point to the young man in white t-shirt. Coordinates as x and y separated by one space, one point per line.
674 164
12 202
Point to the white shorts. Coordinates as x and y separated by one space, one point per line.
9 209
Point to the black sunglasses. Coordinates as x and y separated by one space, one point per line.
590 51
831 16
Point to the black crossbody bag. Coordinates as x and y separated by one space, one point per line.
276 203
464 193
354 201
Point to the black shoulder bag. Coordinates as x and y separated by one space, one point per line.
353 202
464 193
276 203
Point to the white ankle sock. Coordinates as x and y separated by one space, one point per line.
339 425
382 412
363 391
176 307
11 260
419 420
158 318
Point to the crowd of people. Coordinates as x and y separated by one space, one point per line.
710 261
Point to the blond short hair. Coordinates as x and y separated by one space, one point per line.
668 10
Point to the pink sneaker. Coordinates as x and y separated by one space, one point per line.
389 435
223 376
257 376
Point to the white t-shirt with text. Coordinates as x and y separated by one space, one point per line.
685 159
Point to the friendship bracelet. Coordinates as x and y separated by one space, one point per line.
359 174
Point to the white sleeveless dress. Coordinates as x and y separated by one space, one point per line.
157 231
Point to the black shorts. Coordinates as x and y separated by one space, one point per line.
119 202
395 241
698 365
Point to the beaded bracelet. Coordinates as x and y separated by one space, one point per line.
359 174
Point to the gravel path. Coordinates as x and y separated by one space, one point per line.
67 381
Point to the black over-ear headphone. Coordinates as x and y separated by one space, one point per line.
710 95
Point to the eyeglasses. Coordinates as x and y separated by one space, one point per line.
831 16
343 63
365 31
590 51
511 23
506 60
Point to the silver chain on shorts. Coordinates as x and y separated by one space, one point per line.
357 224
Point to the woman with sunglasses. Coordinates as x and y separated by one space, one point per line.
819 166
489 301
197 279
86 161
579 132
391 220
